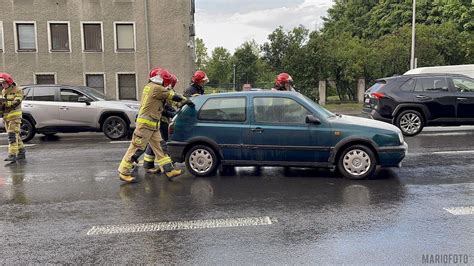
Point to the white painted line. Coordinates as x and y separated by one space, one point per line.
26 145
440 152
179 225
447 134
120 141
468 210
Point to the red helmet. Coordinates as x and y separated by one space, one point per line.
161 76
282 79
174 80
200 76
6 78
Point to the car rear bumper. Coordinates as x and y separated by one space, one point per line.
373 114
176 150
392 156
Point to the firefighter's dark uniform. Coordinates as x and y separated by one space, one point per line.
11 109
147 131
193 90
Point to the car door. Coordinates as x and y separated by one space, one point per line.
279 132
74 113
434 94
224 121
464 99
41 102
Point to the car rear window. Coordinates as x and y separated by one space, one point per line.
377 86
224 109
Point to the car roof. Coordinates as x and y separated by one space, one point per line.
49 85
255 93
408 76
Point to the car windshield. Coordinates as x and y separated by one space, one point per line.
95 94
321 110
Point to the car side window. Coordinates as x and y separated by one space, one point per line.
279 110
68 95
44 94
463 84
224 109
28 94
408 85
435 84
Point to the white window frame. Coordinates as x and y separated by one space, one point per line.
117 88
15 32
101 34
45 73
134 36
96 73
3 37
50 42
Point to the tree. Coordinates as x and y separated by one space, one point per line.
219 69
246 59
201 54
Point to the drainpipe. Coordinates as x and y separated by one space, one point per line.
147 38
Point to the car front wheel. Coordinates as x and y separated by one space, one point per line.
410 122
357 162
115 127
27 130
201 160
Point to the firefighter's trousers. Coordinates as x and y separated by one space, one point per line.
15 144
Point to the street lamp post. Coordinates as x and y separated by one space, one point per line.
234 77
412 58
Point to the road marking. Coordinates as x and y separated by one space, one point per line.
179 225
448 134
467 210
26 145
120 141
440 152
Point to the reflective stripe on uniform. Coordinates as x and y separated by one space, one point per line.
171 95
14 114
126 165
148 158
164 160
147 122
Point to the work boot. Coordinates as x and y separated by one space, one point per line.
148 165
173 173
127 178
154 170
11 158
21 154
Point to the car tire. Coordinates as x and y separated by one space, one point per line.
410 122
201 160
27 130
357 162
115 127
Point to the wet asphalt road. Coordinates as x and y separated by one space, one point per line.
69 184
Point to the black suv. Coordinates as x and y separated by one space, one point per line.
412 102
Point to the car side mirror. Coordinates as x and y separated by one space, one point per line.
311 119
84 99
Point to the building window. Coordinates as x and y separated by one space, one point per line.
95 81
59 37
26 37
92 37
127 87
125 37
1 37
45 79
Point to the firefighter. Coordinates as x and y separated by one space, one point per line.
168 113
148 124
284 82
198 81
10 103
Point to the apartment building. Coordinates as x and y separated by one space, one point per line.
109 45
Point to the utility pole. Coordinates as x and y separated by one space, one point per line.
234 76
412 58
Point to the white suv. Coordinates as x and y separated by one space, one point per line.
48 109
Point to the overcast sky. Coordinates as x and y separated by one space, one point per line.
229 23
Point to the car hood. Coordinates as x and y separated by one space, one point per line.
362 123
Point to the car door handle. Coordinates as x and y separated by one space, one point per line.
422 97
257 130
461 99
64 108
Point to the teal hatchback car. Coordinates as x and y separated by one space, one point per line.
273 128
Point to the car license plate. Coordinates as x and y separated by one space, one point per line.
367 100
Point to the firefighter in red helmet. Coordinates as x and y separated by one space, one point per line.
284 82
10 108
147 131
198 81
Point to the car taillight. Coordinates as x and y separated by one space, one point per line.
171 128
377 95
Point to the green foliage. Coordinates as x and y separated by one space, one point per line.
246 60
201 54
219 68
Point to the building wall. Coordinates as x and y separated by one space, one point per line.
169 40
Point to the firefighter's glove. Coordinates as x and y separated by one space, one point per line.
188 102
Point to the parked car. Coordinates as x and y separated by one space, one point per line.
412 102
467 70
48 109
272 128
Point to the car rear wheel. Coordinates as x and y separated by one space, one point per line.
27 130
201 160
115 127
357 162
410 122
